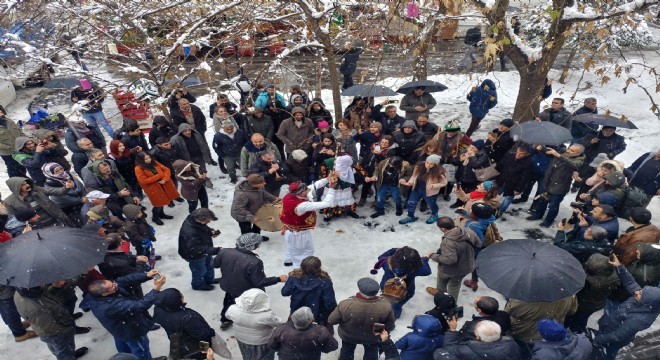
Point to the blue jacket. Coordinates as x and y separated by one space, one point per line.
480 100
621 325
573 347
313 292
425 270
262 100
123 317
423 340
611 225
479 226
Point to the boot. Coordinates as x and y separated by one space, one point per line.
26 336
223 168
155 217
519 200
432 219
379 212
472 284
233 179
80 352
399 210
165 216
407 220
457 204
362 202
423 206
353 214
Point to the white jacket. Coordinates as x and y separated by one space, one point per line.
254 322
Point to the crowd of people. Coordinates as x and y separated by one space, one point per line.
334 166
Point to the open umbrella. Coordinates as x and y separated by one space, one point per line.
368 91
530 270
42 256
67 82
541 133
431 86
604 120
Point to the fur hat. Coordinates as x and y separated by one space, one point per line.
434 159
248 242
368 286
598 159
299 155
297 187
550 330
323 125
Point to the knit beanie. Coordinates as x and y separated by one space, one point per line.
434 159
488 184
550 330
248 242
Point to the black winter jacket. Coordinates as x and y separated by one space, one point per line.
502 349
226 146
308 344
195 240
515 175
241 270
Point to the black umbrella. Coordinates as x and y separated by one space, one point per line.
604 120
42 256
62 83
368 91
431 86
541 133
530 270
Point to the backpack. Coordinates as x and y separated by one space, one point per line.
395 289
492 235
634 197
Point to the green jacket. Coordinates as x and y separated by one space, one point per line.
526 315
39 194
8 137
46 315
97 183
558 177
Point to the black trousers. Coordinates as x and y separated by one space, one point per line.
202 197
226 303
248 227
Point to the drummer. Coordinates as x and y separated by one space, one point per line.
249 196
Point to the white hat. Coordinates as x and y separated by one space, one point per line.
95 194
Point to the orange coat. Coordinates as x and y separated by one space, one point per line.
159 194
626 246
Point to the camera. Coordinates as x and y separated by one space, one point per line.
456 312
378 328
215 232
578 205
203 346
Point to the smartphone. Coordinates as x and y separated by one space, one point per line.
203 346
457 312
378 328
157 276
611 257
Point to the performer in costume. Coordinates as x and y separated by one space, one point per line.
298 217
344 202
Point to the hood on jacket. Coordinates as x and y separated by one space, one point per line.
94 167
19 143
410 124
649 253
296 110
427 326
316 101
459 234
161 120
617 165
185 126
598 264
249 146
43 133
490 84
169 300
14 184
253 301
131 211
182 166
650 298
616 179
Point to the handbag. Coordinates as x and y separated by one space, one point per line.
450 172
486 173
219 347
208 184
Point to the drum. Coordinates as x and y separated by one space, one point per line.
268 217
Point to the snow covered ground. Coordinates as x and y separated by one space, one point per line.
348 247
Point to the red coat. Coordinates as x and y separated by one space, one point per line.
292 220
159 194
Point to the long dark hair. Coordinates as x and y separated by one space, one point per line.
139 161
310 266
406 259
436 172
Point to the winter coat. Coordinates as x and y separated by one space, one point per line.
253 319
503 349
32 161
626 246
58 153
390 125
247 201
561 117
199 119
72 197
479 226
349 64
261 167
515 174
321 115
580 129
117 264
297 344
392 271
558 177
176 318
299 170
645 174
195 240
622 324
241 270
38 194
166 157
137 229
226 145
645 271
296 138
405 172
482 100
9 131
573 347
181 149
263 101
46 315
410 101
315 292
612 146
159 194
433 185
131 142
497 149
167 130
366 139
346 142
356 317
575 243
452 147
97 182
250 154
502 318
124 318
425 338
526 315
189 176
408 143
465 173
359 118
126 168
263 125
456 254
600 283
218 120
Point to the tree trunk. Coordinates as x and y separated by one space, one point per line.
334 77
530 87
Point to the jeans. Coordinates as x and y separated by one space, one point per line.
506 201
13 167
202 197
226 303
202 271
62 346
398 307
416 195
553 207
248 227
536 179
139 347
98 118
449 284
382 194
11 316
347 351
468 57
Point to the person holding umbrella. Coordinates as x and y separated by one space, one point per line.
605 141
417 102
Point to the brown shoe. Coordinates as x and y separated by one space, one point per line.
26 324
26 336
471 284
431 290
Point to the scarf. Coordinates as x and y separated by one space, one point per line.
344 167
49 172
